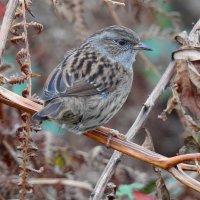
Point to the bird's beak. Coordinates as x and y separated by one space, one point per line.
141 46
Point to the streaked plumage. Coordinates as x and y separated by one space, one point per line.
93 81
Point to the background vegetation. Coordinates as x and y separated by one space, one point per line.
64 157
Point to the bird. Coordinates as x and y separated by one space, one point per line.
93 81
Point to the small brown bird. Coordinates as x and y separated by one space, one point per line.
93 81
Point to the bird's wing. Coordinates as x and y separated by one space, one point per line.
82 74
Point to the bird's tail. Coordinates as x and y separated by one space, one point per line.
50 111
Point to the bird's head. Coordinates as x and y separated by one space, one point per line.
118 43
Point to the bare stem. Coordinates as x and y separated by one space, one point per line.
6 23
27 46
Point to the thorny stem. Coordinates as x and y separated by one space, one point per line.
28 116
25 158
27 45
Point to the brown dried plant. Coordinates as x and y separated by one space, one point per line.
186 86
19 29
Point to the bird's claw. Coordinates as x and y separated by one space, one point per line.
114 133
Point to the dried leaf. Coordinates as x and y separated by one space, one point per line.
192 124
16 27
37 26
190 146
110 191
22 54
26 92
187 93
15 79
182 38
15 40
171 105
194 73
148 142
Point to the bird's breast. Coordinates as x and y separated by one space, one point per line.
99 109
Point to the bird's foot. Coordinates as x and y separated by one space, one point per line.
112 133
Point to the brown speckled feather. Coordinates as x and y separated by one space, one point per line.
92 74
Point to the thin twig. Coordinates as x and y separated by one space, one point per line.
28 57
25 159
6 23
144 113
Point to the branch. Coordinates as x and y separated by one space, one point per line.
6 23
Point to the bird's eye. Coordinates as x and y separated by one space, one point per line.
121 42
